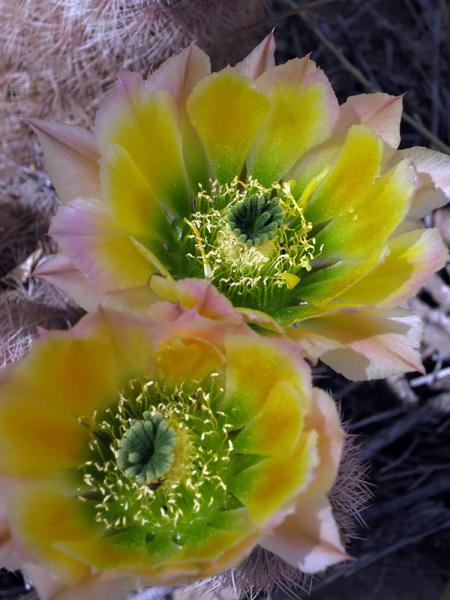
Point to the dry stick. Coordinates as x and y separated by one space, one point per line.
363 80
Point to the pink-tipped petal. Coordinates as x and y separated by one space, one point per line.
71 158
102 251
97 587
196 294
365 344
381 113
63 274
433 180
180 74
119 99
309 538
10 555
260 59
261 319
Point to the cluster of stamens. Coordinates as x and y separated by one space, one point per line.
159 457
252 242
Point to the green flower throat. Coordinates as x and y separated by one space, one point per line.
161 467
253 243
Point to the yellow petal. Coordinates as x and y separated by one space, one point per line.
412 258
309 539
35 441
356 241
271 484
188 359
359 232
226 111
179 75
41 517
349 182
134 206
276 428
145 125
302 113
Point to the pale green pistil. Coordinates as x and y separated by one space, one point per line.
145 451
256 219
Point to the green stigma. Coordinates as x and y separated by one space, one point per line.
146 449
256 219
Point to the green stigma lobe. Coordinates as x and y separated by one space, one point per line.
146 449
256 219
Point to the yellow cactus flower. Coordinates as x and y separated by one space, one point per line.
302 212
136 452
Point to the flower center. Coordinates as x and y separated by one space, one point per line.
159 459
146 449
251 241
256 219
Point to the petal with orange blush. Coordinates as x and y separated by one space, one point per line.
71 374
45 443
131 342
254 366
303 110
187 359
71 158
102 251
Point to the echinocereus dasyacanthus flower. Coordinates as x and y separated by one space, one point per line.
302 212
136 452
